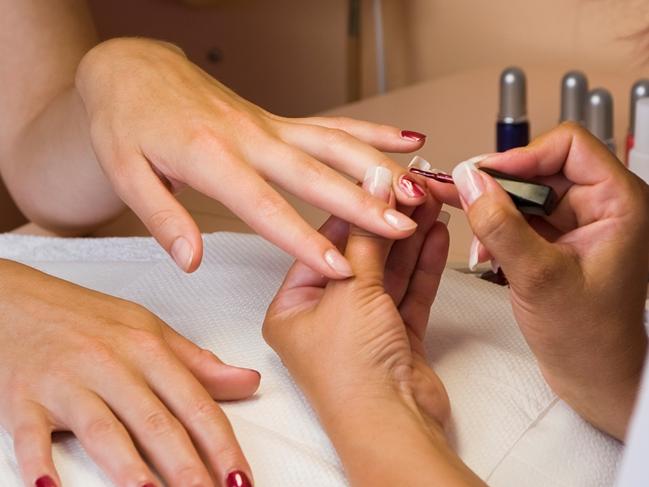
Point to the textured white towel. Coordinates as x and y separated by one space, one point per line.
508 426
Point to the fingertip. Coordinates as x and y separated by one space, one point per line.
229 383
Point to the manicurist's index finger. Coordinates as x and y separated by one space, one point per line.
569 150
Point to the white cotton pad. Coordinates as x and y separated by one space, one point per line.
507 425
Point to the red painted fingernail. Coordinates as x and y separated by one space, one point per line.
411 188
45 481
237 479
411 135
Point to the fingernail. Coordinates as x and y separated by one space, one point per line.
148 485
473 254
182 253
444 217
237 479
398 220
338 263
378 182
412 189
494 266
412 135
45 481
419 162
468 181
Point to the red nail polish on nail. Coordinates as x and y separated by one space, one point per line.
237 479
411 135
45 481
148 485
411 188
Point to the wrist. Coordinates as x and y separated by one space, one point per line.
112 56
605 395
386 430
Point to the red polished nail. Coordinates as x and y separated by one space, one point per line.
411 188
45 481
411 135
237 479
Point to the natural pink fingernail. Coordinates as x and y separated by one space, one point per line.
182 253
338 263
45 481
411 188
378 182
468 181
412 135
474 253
398 221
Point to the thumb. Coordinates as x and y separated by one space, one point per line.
525 256
367 252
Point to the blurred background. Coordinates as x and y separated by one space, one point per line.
292 57
425 65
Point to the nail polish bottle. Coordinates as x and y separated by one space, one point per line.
640 89
512 127
599 116
639 155
574 90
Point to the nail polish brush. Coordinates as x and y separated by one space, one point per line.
529 197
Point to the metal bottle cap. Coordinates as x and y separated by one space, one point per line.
513 96
574 90
599 114
640 89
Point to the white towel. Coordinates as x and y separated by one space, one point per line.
507 425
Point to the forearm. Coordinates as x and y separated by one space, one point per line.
384 441
46 159
53 174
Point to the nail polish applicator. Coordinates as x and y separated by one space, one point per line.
529 197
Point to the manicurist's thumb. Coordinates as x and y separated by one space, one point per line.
523 254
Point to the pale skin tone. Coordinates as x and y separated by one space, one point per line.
89 128
578 285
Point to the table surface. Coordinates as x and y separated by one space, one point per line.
457 113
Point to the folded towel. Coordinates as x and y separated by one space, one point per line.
507 425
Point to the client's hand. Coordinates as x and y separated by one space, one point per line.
120 379
578 277
156 116
355 348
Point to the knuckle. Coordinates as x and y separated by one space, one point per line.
489 221
101 353
267 206
161 218
191 476
148 344
99 428
336 136
203 411
158 423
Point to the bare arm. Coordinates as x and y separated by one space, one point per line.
46 157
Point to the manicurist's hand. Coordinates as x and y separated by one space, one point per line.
355 349
128 386
159 123
578 277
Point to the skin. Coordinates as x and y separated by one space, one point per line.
577 286
355 349
88 128
131 121
99 384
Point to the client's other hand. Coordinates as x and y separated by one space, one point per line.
126 384
578 277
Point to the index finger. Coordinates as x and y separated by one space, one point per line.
568 149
